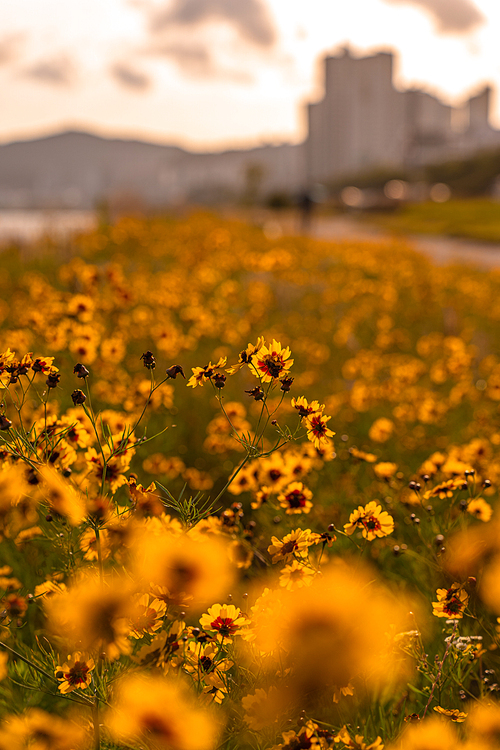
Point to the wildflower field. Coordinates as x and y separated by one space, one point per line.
248 494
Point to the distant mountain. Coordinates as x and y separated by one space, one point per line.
77 170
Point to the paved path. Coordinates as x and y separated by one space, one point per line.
440 249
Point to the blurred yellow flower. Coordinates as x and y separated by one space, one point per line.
159 714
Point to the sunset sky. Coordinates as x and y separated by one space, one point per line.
211 74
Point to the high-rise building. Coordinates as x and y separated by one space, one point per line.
364 123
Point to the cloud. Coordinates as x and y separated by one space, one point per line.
449 16
129 78
56 71
196 60
249 17
9 48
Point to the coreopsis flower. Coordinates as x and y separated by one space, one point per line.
61 497
5 359
372 520
480 509
444 489
148 359
271 362
225 620
81 306
39 730
146 501
80 370
296 498
53 378
162 650
245 357
296 575
293 544
310 736
158 714
43 364
203 374
362 456
451 602
148 616
89 545
385 470
305 409
452 713
260 497
5 423
48 588
272 471
256 393
381 430
357 742
175 370
286 384
205 663
333 632
116 466
75 673
483 722
342 692
13 606
317 430
190 570
78 397
93 614
431 734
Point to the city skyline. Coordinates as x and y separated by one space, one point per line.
221 74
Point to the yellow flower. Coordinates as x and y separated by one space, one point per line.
451 602
93 615
158 713
317 431
225 620
341 692
296 575
369 457
480 509
452 713
381 430
39 730
146 501
294 543
432 734
75 673
148 616
271 362
305 408
358 743
188 569
296 498
372 520
61 497
245 357
202 374
385 470
89 547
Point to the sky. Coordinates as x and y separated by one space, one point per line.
213 74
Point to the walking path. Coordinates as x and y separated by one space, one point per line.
440 249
